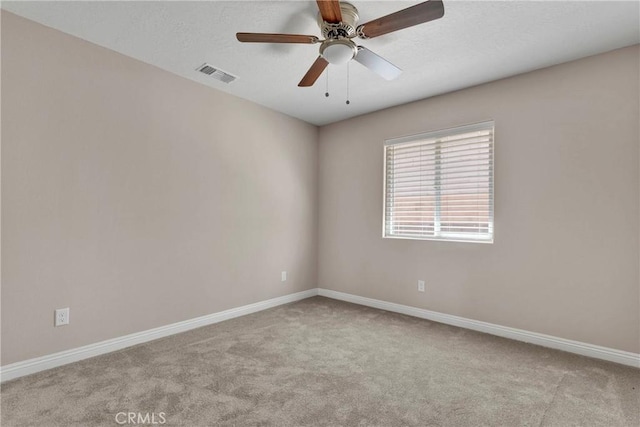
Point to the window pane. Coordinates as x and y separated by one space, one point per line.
440 185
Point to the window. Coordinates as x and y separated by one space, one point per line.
439 185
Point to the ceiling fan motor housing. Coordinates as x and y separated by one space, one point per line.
343 29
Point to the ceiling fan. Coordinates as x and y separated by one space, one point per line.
338 22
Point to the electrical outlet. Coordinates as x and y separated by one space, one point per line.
283 276
420 285
61 317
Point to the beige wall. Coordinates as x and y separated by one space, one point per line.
138 198
565 261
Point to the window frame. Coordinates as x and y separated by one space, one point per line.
436 134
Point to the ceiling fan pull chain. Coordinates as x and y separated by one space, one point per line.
348 102
327 92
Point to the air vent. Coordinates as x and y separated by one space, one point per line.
216 73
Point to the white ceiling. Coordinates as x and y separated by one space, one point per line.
475 42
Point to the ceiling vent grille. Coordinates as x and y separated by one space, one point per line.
216 73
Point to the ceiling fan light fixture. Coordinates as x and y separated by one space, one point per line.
338 51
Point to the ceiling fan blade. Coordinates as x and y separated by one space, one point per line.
275 38
330 10
314 72
414 15
377 64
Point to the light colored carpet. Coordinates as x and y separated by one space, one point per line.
325 362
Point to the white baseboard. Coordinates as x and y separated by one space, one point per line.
591 350
31 366
38 364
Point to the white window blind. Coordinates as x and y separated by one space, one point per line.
439 185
